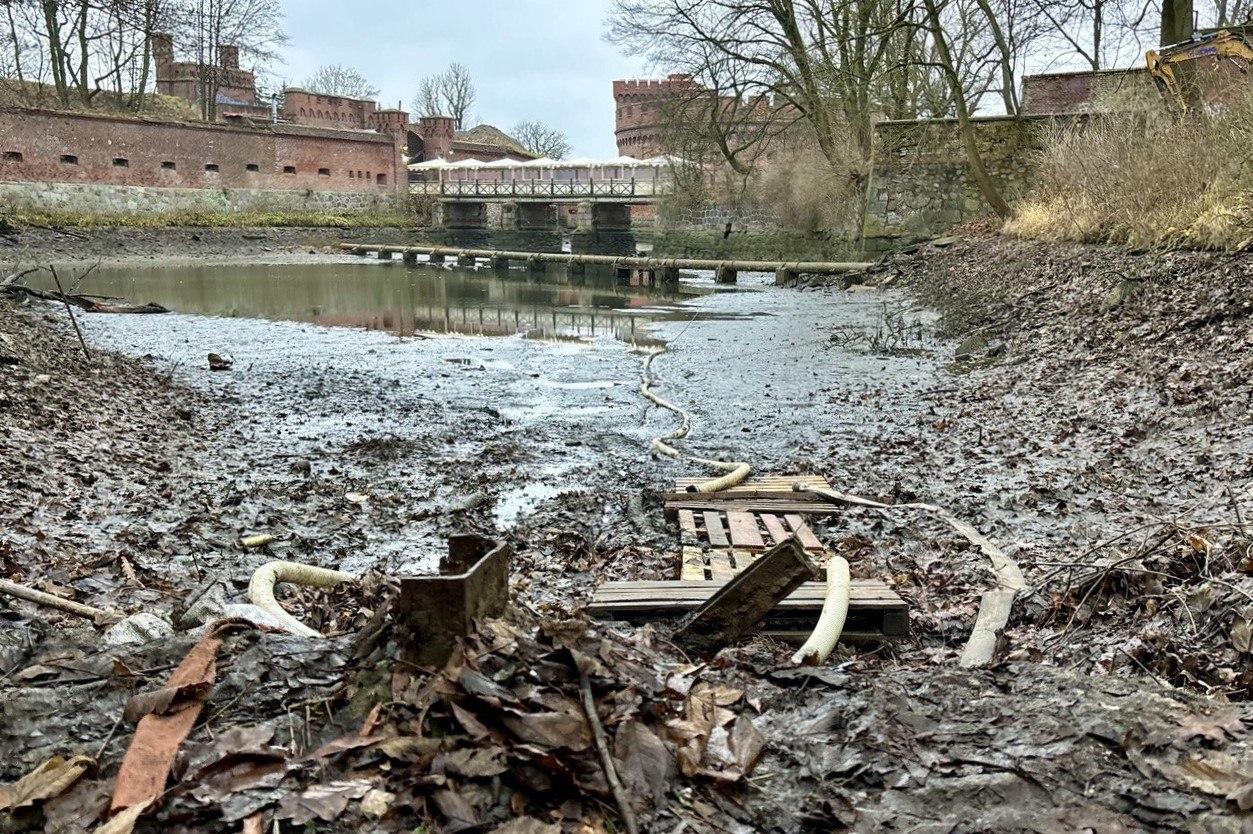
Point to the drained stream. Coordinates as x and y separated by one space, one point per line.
501 392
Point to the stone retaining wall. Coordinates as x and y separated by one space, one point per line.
921 185
129 199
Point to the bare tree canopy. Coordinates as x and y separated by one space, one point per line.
338 80
542 140
80 48
449 93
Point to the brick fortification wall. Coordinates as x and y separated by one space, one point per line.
641 110
921 184
93 163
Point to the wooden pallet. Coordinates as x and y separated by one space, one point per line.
874 610
773 486
717 545
772 494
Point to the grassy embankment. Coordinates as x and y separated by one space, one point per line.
1145 180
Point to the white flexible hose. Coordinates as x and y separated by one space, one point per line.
261 590
834 612
736 471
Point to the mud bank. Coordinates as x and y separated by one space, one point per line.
1118 479
25 246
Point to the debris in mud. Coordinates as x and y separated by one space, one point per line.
220 363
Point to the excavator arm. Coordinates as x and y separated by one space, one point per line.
1222 45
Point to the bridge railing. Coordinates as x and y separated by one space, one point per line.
556 189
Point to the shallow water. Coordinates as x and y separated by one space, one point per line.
402 300
323 360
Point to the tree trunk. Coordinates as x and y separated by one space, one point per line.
977 169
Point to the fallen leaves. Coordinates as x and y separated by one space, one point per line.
49 780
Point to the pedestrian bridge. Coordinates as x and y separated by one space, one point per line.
622 180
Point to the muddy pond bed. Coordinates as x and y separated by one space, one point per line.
372 410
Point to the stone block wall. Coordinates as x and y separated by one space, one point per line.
920 183
48 160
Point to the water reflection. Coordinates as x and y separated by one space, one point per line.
403 301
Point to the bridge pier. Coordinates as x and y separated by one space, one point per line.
438 258
497 263
410 258
725 275
467 261
603 229
384 256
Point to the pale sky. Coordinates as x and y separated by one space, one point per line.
530 59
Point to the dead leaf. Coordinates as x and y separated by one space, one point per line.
646 765
476 763
377 803
459 813
49 780
325 802
123 822
410 748
527 825
1242 634
166 701
551 729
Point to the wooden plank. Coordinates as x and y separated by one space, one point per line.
612 593
693 565
808 540
744 532
754 505
875 612
743 558
687 528
777 531
713 529
720 565
738 605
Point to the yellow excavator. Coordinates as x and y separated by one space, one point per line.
1169 65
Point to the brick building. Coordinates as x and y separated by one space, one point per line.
46 146
643 106
236 88
1085 91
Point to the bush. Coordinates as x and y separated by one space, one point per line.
1146 180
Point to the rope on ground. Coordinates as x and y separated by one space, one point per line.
996 604
261 590
736 471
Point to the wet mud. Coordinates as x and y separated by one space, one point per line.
1116 477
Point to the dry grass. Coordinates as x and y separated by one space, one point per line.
30 94
1145 180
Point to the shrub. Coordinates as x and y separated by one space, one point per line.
1146 180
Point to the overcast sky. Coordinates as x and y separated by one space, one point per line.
530 59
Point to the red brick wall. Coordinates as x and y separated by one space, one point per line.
1082 92
36 146
306 108
640 113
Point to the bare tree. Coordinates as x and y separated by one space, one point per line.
204 26
541 140
449 93
338 80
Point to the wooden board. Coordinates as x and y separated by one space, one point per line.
770 486
796 505
873 607
744 532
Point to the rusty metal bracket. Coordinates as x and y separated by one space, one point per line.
435 611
